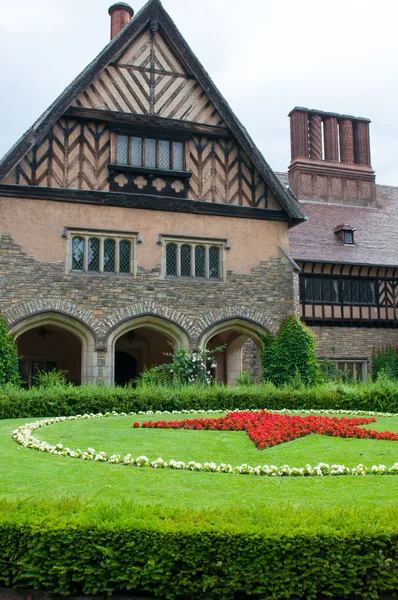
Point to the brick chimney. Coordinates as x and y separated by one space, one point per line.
121 14
330 158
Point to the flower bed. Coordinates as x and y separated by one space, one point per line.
268 429
263 428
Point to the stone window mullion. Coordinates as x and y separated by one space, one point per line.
117 256
85 254
207 274
101 255
193 255
178 260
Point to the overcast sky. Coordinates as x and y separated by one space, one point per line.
265 56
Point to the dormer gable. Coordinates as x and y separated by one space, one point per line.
147 84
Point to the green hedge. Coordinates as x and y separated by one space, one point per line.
58 401
190 555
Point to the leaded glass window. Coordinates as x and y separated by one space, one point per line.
122 150
164 155
357 291
318 289
171 260
136 152
109 256
200 262
214 263
186 260
178 156
93 262
150 153
193 260
77 254
124 256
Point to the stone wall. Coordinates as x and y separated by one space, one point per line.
351 342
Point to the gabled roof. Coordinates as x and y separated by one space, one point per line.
152 14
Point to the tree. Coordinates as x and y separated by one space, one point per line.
290 354
9 372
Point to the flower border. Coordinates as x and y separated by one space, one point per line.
23 436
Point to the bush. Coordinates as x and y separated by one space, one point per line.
49 379
291 354
9 372
381 395
385 361
198 554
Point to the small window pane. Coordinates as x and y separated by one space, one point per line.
136 152
171 260
164 155
200 262
214 263
109 256
77 254
178 156
348 237
93 255
124 256
185 261
122 150
150 153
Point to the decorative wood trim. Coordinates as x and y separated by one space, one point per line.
131 122
350 323
149 170
146 202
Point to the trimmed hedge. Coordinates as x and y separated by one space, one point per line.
64 401
198 555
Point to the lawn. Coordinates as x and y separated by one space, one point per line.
28 474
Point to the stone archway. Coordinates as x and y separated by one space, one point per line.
53 339
241 340
145 338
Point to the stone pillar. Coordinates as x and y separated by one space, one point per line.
362 143
315 137
330 133
346 141
234 354
299 134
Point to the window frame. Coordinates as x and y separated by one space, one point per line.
102 235
360 365
221 244
158 138
340 301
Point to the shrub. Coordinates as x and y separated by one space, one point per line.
49 379
191 367
134 549
385 360
290 355
381 395
9 372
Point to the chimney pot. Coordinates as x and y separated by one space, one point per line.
120 13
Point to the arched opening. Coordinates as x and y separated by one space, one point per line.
48 341
46 348
140 344
240 341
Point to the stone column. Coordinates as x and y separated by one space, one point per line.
330 133
299 134
315 137
346 141
362 143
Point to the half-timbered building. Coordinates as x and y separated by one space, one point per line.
348 247
137 212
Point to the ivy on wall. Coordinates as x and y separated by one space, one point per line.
9 372
290 355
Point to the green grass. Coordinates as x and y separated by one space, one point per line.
30 475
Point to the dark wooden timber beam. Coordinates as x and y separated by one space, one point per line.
146 202
147 121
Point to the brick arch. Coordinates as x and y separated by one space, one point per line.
154 309
234 313
30 309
